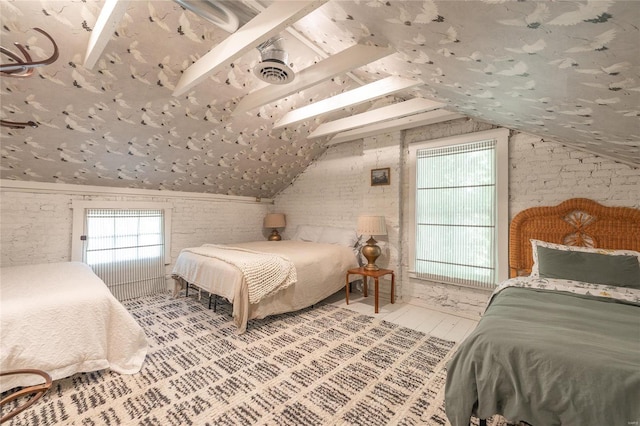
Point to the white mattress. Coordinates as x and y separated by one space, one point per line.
62 319
321 270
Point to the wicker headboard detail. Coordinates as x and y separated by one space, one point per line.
576 222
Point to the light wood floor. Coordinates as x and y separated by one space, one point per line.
435 323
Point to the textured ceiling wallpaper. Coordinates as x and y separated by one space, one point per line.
564 70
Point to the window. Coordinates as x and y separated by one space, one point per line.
460 209
116 235
124 243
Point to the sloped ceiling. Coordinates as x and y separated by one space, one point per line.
567 71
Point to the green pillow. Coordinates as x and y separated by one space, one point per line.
621 271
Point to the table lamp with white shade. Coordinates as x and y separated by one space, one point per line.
371 225
274 221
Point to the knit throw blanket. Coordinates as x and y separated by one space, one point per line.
264 273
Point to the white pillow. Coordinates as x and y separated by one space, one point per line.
340 236
535 270
309 233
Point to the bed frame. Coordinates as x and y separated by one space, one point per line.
575 222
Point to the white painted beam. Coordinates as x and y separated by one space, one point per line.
346 60
368 92
404 123
110 16
267 24
401 109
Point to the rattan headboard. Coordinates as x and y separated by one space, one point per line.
576 222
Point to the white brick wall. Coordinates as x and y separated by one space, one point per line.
196 222
335 189
35 227
327 193
547 173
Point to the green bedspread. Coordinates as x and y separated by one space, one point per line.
549 359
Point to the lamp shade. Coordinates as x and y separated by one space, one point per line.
372 225
274 220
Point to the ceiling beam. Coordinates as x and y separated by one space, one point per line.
400 109
368 92
346 60
110 16
417 120
267 24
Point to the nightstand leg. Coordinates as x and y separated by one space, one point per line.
376 295
347 289
364 285
393 288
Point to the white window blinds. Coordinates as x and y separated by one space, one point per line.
125 248
456 213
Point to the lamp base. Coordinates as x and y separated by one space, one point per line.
274 236
371 252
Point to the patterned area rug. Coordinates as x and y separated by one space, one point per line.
319 366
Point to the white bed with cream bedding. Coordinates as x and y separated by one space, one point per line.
62 319
320 270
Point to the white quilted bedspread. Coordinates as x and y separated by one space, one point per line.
61 318
320 271
264 273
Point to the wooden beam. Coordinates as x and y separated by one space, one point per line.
346 60
110 16
401 109
409 122
267 24
368 92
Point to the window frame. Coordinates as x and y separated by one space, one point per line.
501 135
79 208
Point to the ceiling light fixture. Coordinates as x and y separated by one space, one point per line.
22 68
273 67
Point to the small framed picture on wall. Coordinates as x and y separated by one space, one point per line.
380 176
